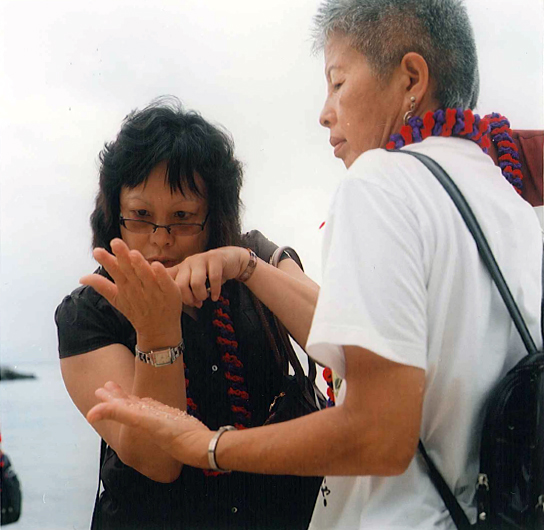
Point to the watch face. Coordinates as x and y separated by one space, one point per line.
161 357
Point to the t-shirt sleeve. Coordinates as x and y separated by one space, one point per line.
264 248
261 245
86 321
374 290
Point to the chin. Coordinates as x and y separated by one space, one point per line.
348 161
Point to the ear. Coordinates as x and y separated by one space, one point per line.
415 75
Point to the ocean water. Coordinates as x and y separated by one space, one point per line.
53 450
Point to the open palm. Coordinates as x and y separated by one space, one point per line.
173 430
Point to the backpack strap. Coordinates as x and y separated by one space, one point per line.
482 244
458 515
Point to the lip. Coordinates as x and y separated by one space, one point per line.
167 262
337 143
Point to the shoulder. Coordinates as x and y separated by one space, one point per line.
81 298
87 321
260 244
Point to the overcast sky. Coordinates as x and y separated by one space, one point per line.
70 72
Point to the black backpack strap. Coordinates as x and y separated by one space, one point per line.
457 514
482 244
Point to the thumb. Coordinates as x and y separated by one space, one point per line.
117 411
173 271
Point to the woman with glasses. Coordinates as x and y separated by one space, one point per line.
169 190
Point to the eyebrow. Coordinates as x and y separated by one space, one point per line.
140 198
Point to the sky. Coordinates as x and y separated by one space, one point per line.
71 71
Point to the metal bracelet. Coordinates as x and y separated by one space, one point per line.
244 277
213 445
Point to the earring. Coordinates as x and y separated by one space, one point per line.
410 113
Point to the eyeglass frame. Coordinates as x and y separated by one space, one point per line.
167 227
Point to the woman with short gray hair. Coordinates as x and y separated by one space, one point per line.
407 312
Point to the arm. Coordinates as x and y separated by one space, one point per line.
83 374
374 432
151 301
286 291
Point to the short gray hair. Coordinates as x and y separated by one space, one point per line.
386 30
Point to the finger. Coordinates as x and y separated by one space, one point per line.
164 280
199 275
182 281
146 414
215 278
142 268
122 253
110 263
173 271
116 390
121 412
101 285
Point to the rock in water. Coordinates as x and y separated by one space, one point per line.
8 374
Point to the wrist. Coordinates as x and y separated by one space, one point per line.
160 357
212 448
247 265
152 341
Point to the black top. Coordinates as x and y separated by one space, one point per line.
86 321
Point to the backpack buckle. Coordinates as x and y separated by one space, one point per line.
483 482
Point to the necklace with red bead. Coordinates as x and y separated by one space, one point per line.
465 124
233 369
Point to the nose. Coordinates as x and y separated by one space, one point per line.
161 237
327 116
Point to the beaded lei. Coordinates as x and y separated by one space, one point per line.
233 370
464 124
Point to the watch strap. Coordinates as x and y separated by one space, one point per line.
152 356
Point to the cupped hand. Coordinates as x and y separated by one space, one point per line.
145 293
174 431
214 266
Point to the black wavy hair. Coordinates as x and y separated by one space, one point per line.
165 131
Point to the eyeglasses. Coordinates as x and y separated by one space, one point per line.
139 226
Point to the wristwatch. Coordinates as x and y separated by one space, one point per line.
162 357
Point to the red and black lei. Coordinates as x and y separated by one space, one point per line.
233 369
465 124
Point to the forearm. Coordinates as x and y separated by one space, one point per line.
291 299
165 384
330 442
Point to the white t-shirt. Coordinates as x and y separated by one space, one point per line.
402 277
